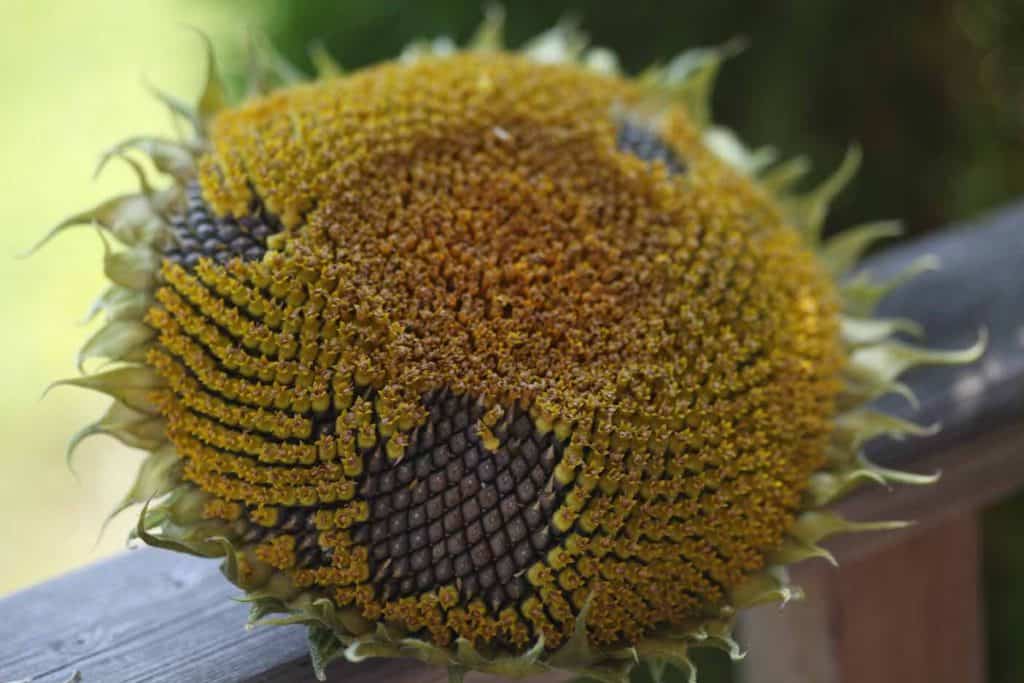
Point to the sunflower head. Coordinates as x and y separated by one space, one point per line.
504 361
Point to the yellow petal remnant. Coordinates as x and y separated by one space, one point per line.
502 361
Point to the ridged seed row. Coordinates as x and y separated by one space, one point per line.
454 511
199 233
507 357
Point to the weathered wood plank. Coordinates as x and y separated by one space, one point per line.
928 585
984 469
979 286
155 616
908 613
158 617
980 450
886 580
903 607
145 615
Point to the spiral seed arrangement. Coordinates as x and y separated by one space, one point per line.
502 361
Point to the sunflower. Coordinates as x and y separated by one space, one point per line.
500 360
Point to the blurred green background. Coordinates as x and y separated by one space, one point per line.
932 89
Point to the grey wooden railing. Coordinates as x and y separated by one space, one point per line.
902 608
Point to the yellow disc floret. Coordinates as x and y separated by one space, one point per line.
465 239
505 362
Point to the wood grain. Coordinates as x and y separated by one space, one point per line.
156 616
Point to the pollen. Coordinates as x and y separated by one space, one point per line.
503 361
474 342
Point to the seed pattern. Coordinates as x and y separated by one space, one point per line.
295 523
643 143
452 510
198 233
463 242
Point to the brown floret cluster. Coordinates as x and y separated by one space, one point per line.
494 366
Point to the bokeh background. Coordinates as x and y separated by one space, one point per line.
933 90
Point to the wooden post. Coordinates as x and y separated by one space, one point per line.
906 613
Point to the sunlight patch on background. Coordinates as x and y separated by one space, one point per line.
73 85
